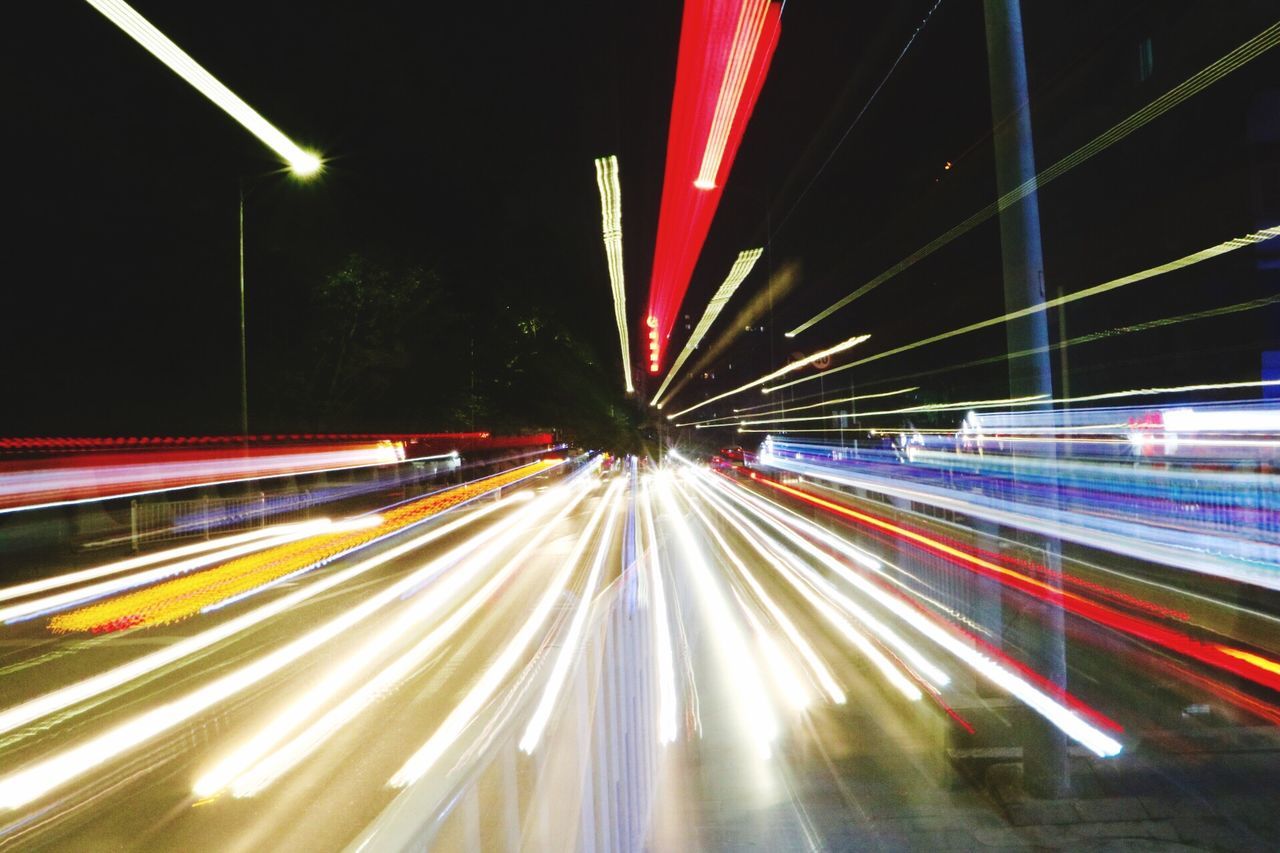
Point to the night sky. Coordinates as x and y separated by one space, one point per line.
459 139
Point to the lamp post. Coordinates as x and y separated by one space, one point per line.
302 170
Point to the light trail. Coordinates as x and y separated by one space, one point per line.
740 270
753 705
848 343
1220 249
611 215
33 781
107 569
60 601
463 714
927 407
661 625
65 697
263 759
736 418
1193 85
1244 664
571 643
1064 718
820 593
302 162
819 670
745 41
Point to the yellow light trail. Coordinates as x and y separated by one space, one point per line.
926 407
848 343
462 715
1193 85
611 216
301 161
1115 283
740 270
835 401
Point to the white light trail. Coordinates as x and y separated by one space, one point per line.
661 627
262 760
611 214
463 714
791 569
571 642
753 705
820 671
740 270
302 162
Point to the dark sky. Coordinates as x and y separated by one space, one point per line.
460 137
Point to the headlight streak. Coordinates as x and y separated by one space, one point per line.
1040 307
740 270
103 682
819 670
571 642
848 343
302 162
273 536
1064 718
425 758
795 693
661 624
819 593
263 759
1193 85
753 703
611 216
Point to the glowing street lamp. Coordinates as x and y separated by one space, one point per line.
301 162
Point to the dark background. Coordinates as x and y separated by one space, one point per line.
446 269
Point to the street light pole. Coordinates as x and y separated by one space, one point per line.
244 355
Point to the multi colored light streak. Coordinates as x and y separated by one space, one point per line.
1238 662
798 364
1226 247
302 162
740 270
193 593
611 217
1193 85
725 50
27 484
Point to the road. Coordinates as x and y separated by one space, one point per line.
658 659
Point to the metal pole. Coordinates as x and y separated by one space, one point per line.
244 358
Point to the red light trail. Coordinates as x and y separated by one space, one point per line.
725 50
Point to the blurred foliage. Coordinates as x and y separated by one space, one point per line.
388 346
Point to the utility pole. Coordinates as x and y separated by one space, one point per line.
1045 768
